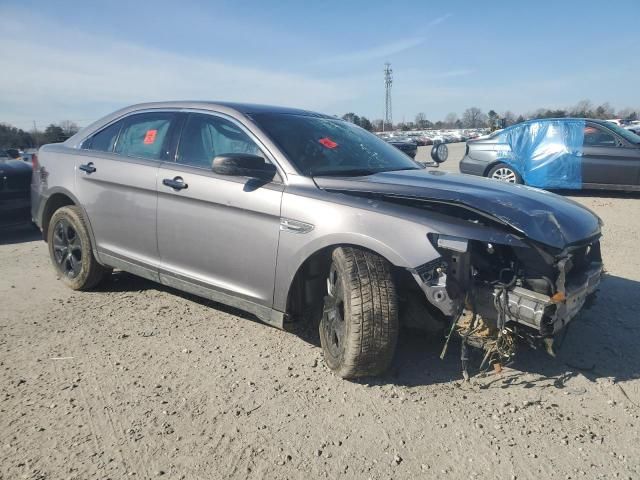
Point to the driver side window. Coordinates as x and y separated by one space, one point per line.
597 137
206 136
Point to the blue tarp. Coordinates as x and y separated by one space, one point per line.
546 153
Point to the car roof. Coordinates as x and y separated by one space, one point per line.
237 110
242 108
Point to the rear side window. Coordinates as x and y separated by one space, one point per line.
105 139
144 135
596 137
205 136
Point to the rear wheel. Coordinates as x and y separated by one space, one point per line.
71 251
504 173
359 326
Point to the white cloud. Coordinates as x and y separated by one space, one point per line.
379 51
384 50
58 75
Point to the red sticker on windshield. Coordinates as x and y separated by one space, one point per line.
327 142
150 137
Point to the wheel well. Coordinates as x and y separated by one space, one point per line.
497 162
55 202
307 290
489 167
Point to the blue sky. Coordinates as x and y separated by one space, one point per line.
78 60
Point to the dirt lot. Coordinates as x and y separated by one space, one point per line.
137 380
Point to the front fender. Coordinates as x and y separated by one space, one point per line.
401 241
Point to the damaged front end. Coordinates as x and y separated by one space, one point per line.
495 294
511 262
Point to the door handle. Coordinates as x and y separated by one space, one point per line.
176 183
87 167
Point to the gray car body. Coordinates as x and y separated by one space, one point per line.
243 246
603 167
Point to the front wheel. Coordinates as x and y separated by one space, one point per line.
504 173
359 327
70 250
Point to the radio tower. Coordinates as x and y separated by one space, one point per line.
388 80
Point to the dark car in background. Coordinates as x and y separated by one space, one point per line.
15 187
558 153
405 145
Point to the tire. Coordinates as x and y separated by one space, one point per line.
71 251
504 173
359 326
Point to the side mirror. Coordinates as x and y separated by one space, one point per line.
439 153
243 165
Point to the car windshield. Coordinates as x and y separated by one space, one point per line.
628 135
325 146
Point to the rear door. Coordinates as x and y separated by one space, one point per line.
116 183
607 160
218 235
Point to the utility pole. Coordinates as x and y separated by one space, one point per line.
388 80
35 135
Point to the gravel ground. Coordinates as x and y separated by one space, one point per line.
138 380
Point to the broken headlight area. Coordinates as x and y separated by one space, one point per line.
494 295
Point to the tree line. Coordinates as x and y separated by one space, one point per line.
474 117
12 137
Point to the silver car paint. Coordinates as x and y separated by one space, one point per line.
342 219
122 208
219 233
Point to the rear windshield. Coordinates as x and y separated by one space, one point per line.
327 146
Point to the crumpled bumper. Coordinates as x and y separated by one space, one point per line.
545 315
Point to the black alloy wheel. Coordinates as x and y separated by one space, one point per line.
334 314
67 248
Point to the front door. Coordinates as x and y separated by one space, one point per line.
116 183
606 160
217 235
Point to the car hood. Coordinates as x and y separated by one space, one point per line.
541 216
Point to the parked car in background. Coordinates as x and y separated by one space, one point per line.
426 139
298 216
405 145
558 153
634 127
15 181
14 153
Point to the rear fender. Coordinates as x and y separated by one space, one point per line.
44 213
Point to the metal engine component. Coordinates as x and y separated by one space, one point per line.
495 294
544 313
432 279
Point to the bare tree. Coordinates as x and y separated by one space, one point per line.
68 127
450 120
604 111
625 112
582 109
509 118
421 120
474 118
